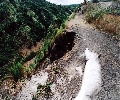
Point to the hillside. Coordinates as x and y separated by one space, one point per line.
44 54
23 23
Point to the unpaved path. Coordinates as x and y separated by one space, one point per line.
67 82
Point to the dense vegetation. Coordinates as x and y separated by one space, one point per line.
22 24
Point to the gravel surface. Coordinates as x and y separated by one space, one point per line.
109 48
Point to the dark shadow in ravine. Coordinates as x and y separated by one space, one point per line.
63 44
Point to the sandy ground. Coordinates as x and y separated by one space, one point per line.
67 82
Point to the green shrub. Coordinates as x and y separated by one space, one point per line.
63 25
93 12
34 97
72 16
30 68
16 71
39 57
30 13
44 90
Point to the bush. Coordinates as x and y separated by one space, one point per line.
16 71
93 12
44 90
30 68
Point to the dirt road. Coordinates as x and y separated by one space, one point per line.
67 82
109 48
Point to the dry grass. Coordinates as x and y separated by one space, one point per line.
109 23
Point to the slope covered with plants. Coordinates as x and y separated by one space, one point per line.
23 23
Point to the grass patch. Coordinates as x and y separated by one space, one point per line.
43 90
72 16
16 70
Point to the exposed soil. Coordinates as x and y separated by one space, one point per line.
26 51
